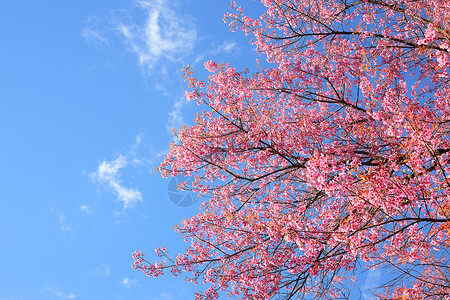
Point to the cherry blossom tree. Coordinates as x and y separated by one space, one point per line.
332 157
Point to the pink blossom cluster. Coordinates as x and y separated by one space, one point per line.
336 152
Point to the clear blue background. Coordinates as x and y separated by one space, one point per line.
89 92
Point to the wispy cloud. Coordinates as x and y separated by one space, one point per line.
163 296
134 149
103 271
55 292
176 119
372 282
64 225
108 172
86 208
92 35
140 156
227 47
127 282
160 35
166 33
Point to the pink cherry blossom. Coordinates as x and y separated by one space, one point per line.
334 153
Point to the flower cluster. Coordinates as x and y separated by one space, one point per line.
336 153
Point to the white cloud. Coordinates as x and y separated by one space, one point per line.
372 282
227 47
166 33
55 292
163 296
158 33
127 282
93 35
175 115
102 271
135 159
165 91
108 172
64 225
140 156
86 209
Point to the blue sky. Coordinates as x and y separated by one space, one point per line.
89 92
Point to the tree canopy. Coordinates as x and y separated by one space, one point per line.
333 156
